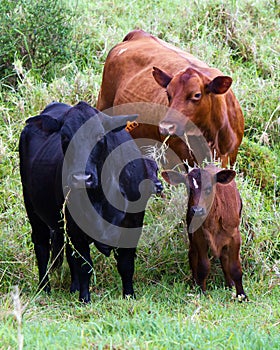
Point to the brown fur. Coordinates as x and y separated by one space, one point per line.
129 77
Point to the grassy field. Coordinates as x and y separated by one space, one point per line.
241 38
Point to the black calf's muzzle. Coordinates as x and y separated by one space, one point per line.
158 187
82 180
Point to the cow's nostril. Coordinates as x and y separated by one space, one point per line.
81 180
81 177
167 128
198 211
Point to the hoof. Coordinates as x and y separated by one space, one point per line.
129 296
242 298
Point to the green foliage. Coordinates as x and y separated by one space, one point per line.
260 164
36 33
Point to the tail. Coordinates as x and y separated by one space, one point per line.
57 249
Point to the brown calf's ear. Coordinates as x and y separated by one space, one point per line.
225 176
162 78
174 177
219 85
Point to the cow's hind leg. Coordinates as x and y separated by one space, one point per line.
125 264
41 241
235 267
74 269
224 259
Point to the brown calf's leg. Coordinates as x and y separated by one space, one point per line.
199 261
235 266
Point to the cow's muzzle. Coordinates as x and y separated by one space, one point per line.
198 211
167 128
82 180
158 188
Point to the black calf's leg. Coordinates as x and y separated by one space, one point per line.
41 240
74 269
125 264
81 266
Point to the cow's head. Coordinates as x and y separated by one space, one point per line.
201 187
83 131
84 142
189 93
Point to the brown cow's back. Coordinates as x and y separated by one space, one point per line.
128 78
130 58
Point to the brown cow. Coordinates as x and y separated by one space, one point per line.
144 68
213 218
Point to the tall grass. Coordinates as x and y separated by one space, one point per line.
239 37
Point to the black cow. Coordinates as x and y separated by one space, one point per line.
87 157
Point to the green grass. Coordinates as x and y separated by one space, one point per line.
163 317
239 37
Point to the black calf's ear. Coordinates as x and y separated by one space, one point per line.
117 122
225 176
45 122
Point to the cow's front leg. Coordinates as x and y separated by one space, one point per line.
82 268
74 269
125 264
199 260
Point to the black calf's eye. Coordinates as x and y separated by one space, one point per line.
197 95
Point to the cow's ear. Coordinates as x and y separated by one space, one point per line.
225 176
174 177
117 122
46 122
162 78
219 85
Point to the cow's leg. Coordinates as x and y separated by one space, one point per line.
235 269
224 259
125 264
74 269
199 261
81 266
41 241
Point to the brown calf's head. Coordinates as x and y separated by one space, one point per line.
201 186
189 93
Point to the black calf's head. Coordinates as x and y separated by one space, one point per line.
82 131
201 186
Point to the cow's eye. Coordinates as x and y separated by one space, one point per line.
197 96
208 191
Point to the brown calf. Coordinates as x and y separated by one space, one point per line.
213 218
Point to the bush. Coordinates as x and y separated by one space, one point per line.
259 164
38 33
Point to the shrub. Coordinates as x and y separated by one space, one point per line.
259 164
38 33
